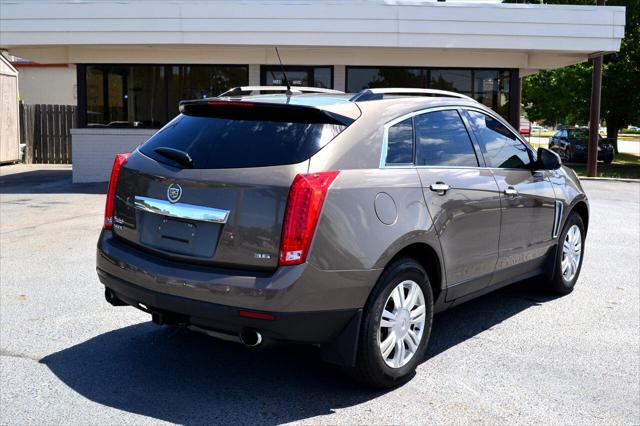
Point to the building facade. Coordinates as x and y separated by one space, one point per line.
134 61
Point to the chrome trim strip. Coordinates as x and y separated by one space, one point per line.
181 210
557 220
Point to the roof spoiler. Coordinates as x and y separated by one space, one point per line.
376 94
248 110
298 90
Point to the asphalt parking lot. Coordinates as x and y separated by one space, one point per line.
514 356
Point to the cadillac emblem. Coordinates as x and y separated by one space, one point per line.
174 192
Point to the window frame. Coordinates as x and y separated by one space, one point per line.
462 111
81 77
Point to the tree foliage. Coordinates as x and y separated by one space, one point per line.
558 96
563 95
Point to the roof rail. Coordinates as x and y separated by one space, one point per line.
375 94
248 90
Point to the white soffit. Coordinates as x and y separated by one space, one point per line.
54 28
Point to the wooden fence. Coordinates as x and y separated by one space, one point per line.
46 131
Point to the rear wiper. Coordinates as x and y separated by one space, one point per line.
175 155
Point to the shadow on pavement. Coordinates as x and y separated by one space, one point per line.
47 181
183 377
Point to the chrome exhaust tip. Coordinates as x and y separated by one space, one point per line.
250 338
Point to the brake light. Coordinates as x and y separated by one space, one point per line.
231 103
119 161
257 315
306 197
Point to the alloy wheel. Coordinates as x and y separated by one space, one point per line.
402 324
571 253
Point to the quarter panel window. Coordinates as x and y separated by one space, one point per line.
442 140
400 143
501 148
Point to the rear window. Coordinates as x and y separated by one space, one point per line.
224 142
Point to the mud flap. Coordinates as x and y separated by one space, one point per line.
551 263
343 349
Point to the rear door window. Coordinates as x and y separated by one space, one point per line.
226 142
442 140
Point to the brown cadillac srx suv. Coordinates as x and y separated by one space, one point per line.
343 221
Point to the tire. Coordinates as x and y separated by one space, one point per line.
372 366
561 282
608 160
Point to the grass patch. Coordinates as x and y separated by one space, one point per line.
542 134
627 158
620 171
624 166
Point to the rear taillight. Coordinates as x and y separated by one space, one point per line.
118 162
306 197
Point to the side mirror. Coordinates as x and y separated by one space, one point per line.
548 160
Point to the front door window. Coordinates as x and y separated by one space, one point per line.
500 146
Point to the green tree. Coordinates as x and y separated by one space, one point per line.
563 95
558 96
621 76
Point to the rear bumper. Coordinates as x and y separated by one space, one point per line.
305 327
310 305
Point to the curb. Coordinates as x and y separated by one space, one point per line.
610 179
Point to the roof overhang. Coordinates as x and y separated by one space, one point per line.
528 37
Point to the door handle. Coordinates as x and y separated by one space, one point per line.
511 192
440 187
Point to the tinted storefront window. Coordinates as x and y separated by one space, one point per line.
202 81
148 95
490 87
363 78
308 76
451 79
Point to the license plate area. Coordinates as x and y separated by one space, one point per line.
187 238
177 230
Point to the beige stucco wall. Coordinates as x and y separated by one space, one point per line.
48 85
